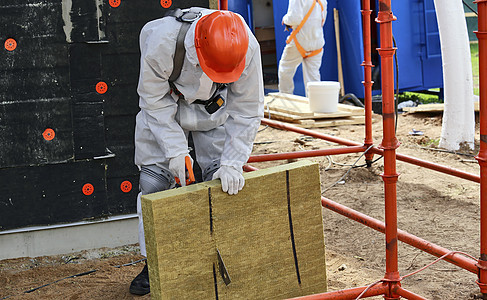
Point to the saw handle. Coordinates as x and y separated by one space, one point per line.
189 169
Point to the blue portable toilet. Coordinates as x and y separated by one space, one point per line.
244 8
415 32
418 42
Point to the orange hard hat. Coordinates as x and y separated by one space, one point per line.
221 42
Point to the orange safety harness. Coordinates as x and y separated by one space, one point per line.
292 36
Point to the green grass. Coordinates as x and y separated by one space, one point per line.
474 52
433 143
418 98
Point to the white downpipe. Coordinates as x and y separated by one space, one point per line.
458 116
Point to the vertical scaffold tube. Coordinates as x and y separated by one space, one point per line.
482 155
367 64
389 143
223 4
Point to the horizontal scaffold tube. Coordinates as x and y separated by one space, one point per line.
433 166
308 132
406 294
401 157
376 290
308 153
433 249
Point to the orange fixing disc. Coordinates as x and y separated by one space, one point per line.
126 186
48 134
88 189
10 44
101 87
114 3
166 3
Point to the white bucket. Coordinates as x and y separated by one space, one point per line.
323 96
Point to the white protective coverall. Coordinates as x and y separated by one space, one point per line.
310 37
223 138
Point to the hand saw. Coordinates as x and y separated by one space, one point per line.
189 172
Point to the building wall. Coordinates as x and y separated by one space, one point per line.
68 102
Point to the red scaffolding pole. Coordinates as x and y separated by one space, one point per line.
223 4
376 290
412 240
367 64
375 150
390 285
482 155
308 153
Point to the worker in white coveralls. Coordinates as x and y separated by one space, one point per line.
304 44
217 97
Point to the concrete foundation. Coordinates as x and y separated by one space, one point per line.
61 239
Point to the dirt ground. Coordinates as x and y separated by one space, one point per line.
440 208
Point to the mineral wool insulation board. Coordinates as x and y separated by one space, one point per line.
269 237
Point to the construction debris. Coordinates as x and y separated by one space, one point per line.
431 108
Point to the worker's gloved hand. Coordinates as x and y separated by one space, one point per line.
177 166
231 178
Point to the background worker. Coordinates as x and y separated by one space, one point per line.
218 98
304 44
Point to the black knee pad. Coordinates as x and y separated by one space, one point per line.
154 179
210 170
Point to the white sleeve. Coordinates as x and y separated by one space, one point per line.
156 65
245 109
294 14
325 7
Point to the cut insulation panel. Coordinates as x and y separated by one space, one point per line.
180 251
269 237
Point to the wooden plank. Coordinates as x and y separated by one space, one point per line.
280 116
291 97
299 107
436 107
251 230
425 108
295 118
355 110
296 98
353 120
